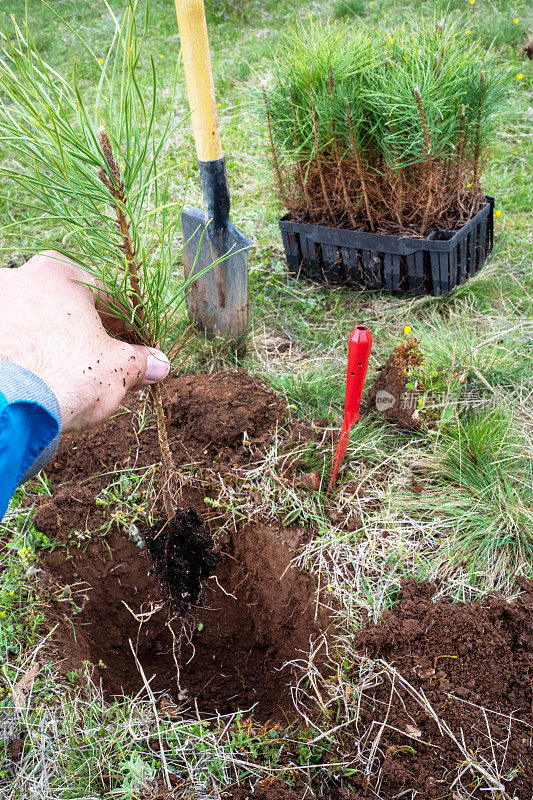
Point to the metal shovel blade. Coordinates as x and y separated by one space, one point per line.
218 298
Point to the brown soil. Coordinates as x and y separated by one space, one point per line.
257 614
271 791
462 656
83 462
388 395
216 420
15 749
216 410
276 790
217 417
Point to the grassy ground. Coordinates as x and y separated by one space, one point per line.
471 527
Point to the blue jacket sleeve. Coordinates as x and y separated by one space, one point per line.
30 426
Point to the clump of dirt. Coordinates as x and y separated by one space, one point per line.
68 510
464 657
183 554
218 409
15 749
388 395
216 420
257 614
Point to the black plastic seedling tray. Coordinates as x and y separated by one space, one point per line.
391 263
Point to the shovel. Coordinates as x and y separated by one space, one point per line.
218 300
359 347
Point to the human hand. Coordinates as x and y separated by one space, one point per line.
51 325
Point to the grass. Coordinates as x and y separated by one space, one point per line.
483 461
470 527
81 747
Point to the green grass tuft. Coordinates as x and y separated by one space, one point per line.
484 478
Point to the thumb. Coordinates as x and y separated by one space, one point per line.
146 365
157 366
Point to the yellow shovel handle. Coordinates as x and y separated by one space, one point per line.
199 78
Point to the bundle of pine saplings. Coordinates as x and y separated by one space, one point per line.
381 132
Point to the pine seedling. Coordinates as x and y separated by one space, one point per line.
90 164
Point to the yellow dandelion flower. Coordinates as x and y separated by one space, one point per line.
122 166
472 2
498 213
131 152
468 30
2 614
161 56
519 76
218 105
100 60
309 15
390 41
372 3
407 330
12 593
468 185
515 21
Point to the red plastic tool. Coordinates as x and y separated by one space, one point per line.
359 347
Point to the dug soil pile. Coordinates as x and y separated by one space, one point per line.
239 415
256 613
463 657
472 663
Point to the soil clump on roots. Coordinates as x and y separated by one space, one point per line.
388 395
182 552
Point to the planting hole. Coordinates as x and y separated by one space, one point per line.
256 614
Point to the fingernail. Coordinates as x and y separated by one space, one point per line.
157 366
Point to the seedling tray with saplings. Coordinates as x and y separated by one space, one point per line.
378 145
